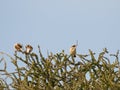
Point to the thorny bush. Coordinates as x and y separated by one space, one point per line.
61 71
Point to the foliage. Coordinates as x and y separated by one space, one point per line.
62 72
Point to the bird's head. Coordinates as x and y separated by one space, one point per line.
73 45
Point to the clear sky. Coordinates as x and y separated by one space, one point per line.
57 24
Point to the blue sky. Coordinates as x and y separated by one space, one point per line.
57 24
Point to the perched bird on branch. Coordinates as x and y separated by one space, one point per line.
18 47
73 50
29 48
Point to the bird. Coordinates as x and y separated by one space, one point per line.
29 48
18 47
73 50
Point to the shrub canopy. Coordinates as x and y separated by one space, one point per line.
62 72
